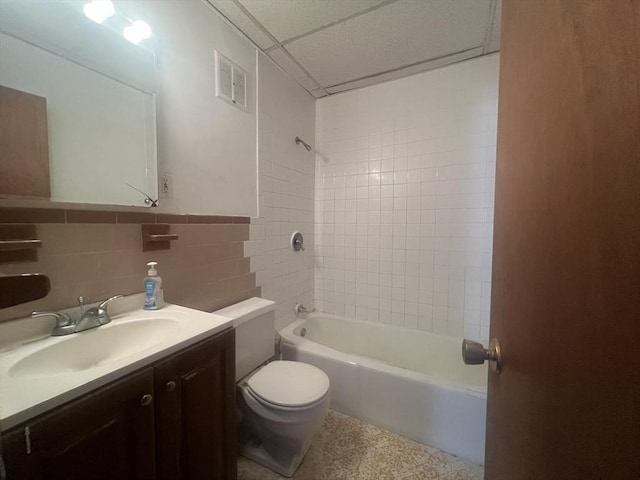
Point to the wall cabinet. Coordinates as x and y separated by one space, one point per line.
174 419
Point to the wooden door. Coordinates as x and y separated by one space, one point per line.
566 259
195 414
107 434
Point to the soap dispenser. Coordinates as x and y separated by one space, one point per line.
153 296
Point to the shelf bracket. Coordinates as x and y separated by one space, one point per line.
18 243
156 236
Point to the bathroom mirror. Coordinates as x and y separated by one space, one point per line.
100 99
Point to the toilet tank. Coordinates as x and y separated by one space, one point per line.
254 322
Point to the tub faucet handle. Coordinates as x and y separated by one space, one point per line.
302 310
297 241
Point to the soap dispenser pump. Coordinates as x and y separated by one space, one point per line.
153 296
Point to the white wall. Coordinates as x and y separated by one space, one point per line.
206 144
404 200
286 192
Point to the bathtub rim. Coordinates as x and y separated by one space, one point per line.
289 337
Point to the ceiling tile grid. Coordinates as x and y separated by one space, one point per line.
400 34
286 19
493 45
290 66
233 12
329 46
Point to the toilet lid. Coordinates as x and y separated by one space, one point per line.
289 384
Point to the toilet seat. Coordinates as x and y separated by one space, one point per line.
288 385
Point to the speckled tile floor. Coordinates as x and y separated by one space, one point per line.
349 449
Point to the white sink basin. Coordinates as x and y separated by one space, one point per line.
39 372
95 347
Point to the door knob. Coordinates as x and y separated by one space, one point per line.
473 353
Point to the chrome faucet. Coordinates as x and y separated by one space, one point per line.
64 323
92 318
302 311
96 316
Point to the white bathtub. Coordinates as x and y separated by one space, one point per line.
410 382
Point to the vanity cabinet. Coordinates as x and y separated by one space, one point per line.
195 412
106 434
174 419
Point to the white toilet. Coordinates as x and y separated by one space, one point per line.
282 404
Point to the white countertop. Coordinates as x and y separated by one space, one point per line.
24 396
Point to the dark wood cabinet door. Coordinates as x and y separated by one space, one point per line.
195 412
108 434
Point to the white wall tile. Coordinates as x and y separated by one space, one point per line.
289 202
412 162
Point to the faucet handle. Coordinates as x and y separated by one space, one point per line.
300 309
104 304
62 319
64 324
96 316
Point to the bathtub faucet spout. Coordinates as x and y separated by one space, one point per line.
301 310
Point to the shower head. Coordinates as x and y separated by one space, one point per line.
306 145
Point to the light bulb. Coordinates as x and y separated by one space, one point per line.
137 32
99 10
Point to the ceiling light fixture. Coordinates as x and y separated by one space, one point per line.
99 10
137 32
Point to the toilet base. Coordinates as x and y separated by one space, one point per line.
284 462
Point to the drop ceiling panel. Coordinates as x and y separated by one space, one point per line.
285 19
289 66
235 15
394 36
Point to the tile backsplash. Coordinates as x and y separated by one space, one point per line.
204 269
405 176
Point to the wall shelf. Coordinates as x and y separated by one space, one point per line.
156 236
18 243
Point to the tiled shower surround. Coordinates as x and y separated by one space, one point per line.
404 200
